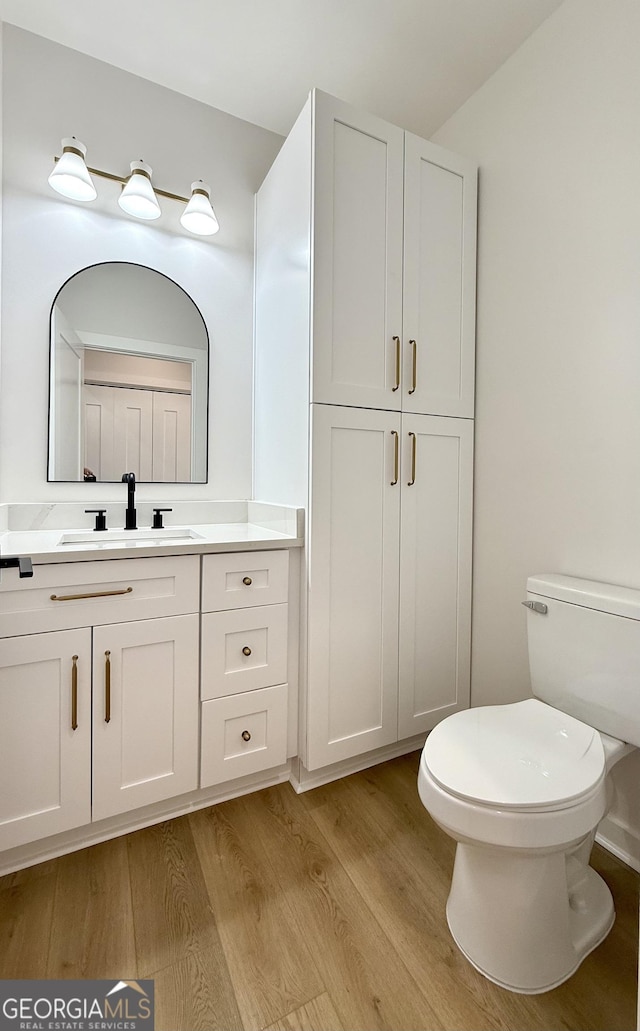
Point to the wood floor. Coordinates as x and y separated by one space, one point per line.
314 912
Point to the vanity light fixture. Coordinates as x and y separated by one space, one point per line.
198 216
137 197
71 177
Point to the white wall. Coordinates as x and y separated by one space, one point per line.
49 92
129 301
557 134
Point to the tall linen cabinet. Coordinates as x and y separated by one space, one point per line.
363 403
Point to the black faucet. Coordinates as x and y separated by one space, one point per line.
130 516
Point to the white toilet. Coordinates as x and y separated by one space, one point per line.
522 788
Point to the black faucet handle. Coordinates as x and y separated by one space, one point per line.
129 478
157 518
20 562
101 519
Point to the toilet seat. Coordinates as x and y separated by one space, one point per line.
524 757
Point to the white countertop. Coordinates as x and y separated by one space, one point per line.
273 527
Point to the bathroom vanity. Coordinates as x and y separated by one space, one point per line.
147 672
135 688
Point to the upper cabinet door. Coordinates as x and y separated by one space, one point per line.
357 266
439 280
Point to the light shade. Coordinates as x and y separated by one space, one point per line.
198 216
137 197
70 176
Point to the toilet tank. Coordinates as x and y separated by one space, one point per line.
584 651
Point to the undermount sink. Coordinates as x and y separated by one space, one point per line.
98 538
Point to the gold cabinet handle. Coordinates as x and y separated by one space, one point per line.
414 366
397 343
396 456
247 580
411 482
107 687
74 692
246 650
93 594
246 736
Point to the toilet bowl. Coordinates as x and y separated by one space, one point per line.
522 788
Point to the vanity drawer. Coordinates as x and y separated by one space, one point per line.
243 579
243 649
243 734
67 595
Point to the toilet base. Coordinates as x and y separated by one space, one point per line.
526 921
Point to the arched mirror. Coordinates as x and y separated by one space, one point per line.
129 378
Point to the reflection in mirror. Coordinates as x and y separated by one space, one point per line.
129 378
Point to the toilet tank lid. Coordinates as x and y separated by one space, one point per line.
590 594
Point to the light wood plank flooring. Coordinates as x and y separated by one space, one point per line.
314 912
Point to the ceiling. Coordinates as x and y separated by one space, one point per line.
413 62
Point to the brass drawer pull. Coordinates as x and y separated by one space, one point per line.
397 343
414 366
247 580
107 687
411 482
246 736
93 594
74 692
246 650
396 456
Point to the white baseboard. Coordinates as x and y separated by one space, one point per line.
621 841
304 780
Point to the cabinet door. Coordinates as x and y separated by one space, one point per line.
353 584
145 712
439 280
435 571
45 764
357 257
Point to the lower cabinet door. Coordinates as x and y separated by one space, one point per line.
242 734
352 704
435 571
145 713
45 735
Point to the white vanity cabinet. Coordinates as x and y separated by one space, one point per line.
98 691
364 380
244 664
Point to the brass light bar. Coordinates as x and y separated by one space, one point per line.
124 179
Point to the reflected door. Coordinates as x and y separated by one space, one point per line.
147 432
118 432
171 437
